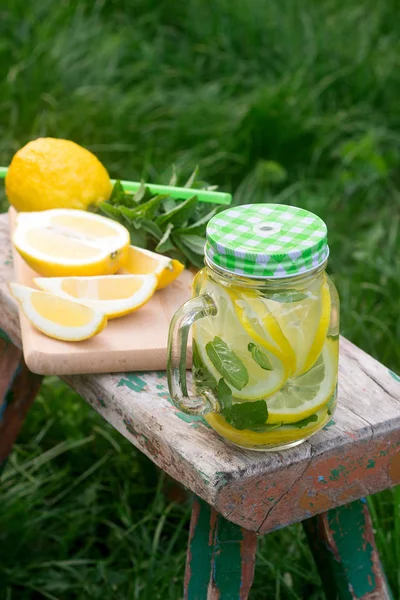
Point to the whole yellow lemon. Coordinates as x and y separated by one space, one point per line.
54 173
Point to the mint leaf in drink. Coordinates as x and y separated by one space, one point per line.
304 422
248 415
227 363
202 377
224 395
260 357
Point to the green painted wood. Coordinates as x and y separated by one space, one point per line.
343 545
220 559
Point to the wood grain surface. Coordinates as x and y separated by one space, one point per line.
356 454
135 342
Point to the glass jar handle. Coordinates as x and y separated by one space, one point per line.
185 316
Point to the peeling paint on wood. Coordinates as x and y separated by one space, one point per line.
101 401
394 375
343 546
4 336
133 382
194 420
220 558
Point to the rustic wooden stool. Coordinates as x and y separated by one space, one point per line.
242 494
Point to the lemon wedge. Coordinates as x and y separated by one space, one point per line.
57 317
115 295
304 395
63 242
224 329
143 262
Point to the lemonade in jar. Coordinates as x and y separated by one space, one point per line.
265 329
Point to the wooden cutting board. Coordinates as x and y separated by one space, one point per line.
136 342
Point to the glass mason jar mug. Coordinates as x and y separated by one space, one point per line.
265 333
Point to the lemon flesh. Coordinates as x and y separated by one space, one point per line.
57 317
64 242
55 173
304 323
304 395
262 326
114 296
226 326
144 262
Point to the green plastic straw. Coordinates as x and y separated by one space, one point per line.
175 192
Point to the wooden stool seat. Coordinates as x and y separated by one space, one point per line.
356 454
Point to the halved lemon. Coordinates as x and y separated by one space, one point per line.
63 242
304 322
57 317
304 395
252 439
226 326
143 262
115 295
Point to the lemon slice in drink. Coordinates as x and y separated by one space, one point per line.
275 437
304 322
226 330
304 395
262 326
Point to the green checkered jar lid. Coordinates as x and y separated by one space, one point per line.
266 240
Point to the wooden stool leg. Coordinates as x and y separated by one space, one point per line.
18 388
343 545
220 558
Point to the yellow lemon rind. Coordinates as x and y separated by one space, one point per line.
55 173
169 274
322 331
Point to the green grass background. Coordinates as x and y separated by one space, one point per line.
292 101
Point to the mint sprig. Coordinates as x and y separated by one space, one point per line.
260 357
248 415
161 223
242 415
